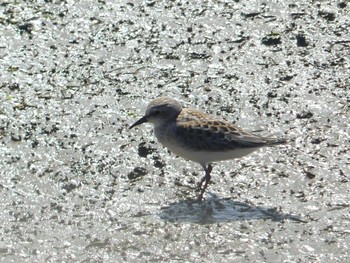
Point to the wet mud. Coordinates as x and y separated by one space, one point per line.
76 185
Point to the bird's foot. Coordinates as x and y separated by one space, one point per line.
200 197
199 187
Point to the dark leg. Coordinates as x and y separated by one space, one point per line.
205 180
205 177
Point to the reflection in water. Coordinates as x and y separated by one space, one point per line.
215 210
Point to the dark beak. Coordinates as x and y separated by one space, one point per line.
140 121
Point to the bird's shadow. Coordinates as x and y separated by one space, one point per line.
216 210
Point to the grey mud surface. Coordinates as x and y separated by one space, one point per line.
77 186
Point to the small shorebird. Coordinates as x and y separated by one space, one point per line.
200 137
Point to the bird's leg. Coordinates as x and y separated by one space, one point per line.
205 180
199 185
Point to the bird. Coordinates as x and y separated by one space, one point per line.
200 137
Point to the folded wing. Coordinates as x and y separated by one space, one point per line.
217 135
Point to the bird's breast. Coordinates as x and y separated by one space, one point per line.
167 136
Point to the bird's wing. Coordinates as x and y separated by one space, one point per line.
216 135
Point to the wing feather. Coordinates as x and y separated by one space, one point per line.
216 135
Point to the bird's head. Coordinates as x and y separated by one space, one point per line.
159 111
